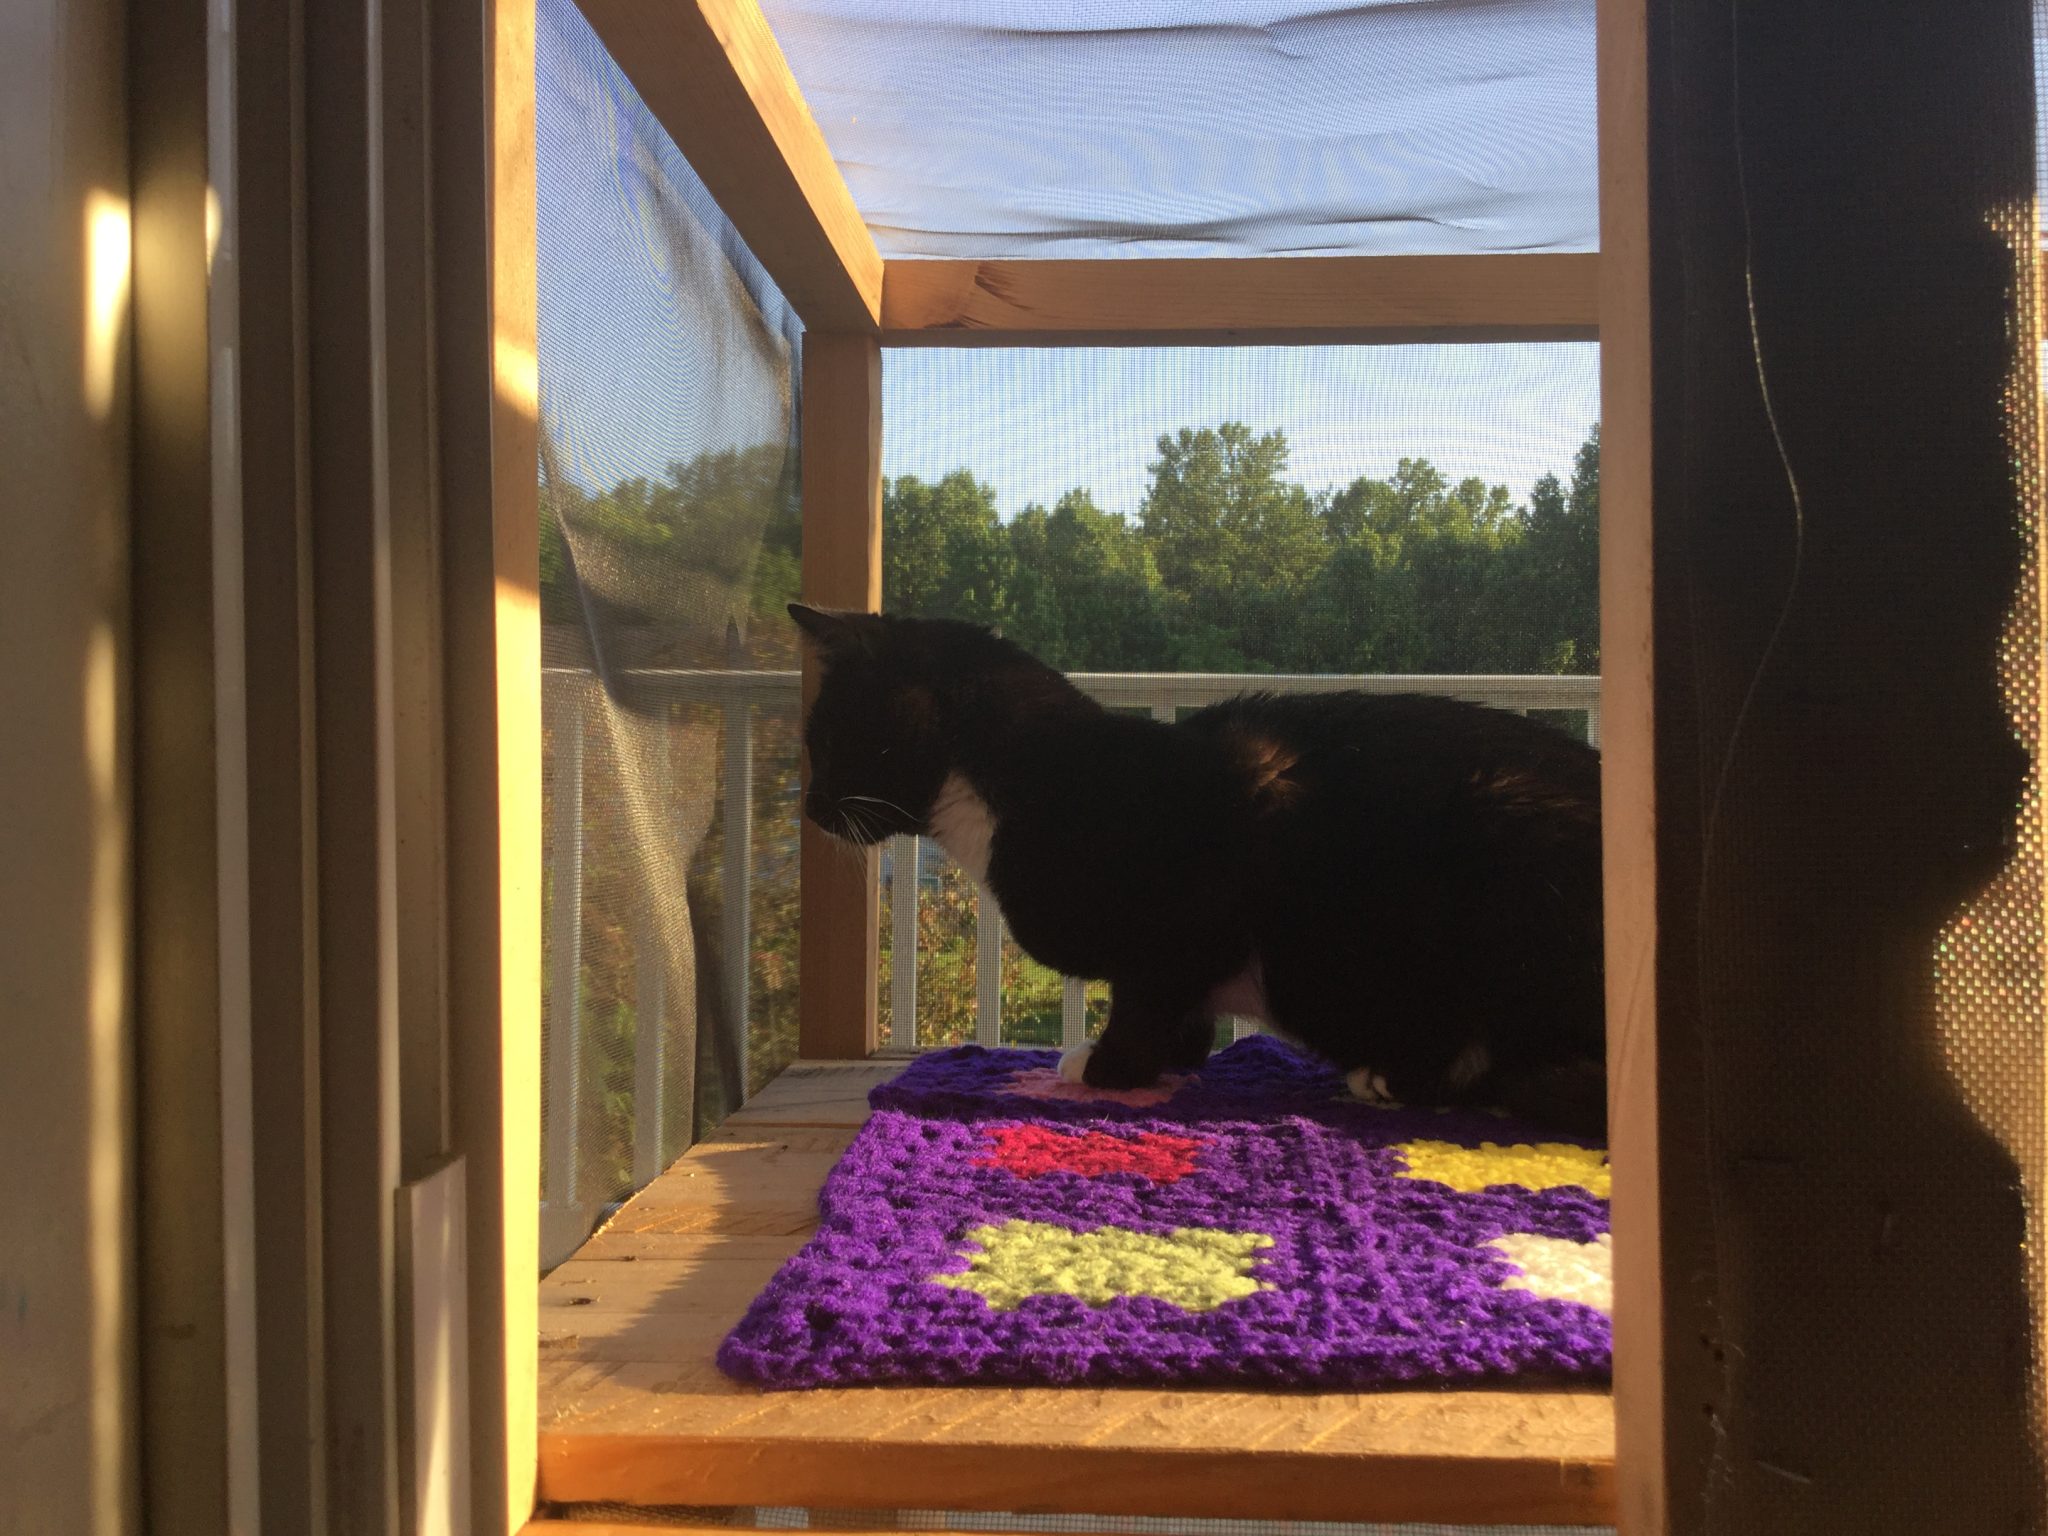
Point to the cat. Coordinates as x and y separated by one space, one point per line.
1405 884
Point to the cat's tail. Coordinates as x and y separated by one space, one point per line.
1571 1097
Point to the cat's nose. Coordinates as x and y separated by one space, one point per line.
819 808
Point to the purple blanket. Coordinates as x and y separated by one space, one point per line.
1251 1225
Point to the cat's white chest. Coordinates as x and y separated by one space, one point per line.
964 826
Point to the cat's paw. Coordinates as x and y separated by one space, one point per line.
1074 1063
1370 1087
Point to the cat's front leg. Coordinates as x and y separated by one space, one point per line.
1370 1087
1151 1029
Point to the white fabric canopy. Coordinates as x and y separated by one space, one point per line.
1041 128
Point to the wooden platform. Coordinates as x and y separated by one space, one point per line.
633 1411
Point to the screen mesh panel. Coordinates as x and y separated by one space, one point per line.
669 543
1226 515
1130 128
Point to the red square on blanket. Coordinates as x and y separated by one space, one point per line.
1031 1150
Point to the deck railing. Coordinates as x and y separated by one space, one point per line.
736 694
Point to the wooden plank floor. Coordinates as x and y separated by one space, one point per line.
633 1411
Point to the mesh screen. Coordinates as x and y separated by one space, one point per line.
1129 127
669 532
1224 514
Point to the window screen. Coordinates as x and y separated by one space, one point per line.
668 546
1180 524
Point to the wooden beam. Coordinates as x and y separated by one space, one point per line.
486 318
1241 300
514 552
839 907
711 72
1628 767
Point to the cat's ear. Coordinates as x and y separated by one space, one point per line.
830 631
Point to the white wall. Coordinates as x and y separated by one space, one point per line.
67 1459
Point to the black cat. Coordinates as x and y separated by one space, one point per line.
1407 884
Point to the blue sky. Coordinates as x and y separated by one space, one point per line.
1035 422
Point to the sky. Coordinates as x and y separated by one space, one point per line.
652 350
1035 422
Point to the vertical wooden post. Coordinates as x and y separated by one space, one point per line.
839 907
1622 727
483 102
511 1331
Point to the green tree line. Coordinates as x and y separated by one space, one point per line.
1229 566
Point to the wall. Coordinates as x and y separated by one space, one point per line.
66 1297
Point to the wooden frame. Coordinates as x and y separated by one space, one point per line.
839 901
710 70
494 733
1628 764
711 74
1263 301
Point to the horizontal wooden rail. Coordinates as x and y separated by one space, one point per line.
1241 300
712 74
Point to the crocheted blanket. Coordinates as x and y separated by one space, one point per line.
1250 1224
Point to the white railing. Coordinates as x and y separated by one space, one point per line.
735 694
568 693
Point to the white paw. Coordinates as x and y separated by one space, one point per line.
1369 1086
1075 1062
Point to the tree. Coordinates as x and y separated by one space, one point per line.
944 552
1086 593
663 566
1561 563
1218 515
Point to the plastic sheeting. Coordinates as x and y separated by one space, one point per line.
1088 128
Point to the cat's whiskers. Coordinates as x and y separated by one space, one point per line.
862 831
885 804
